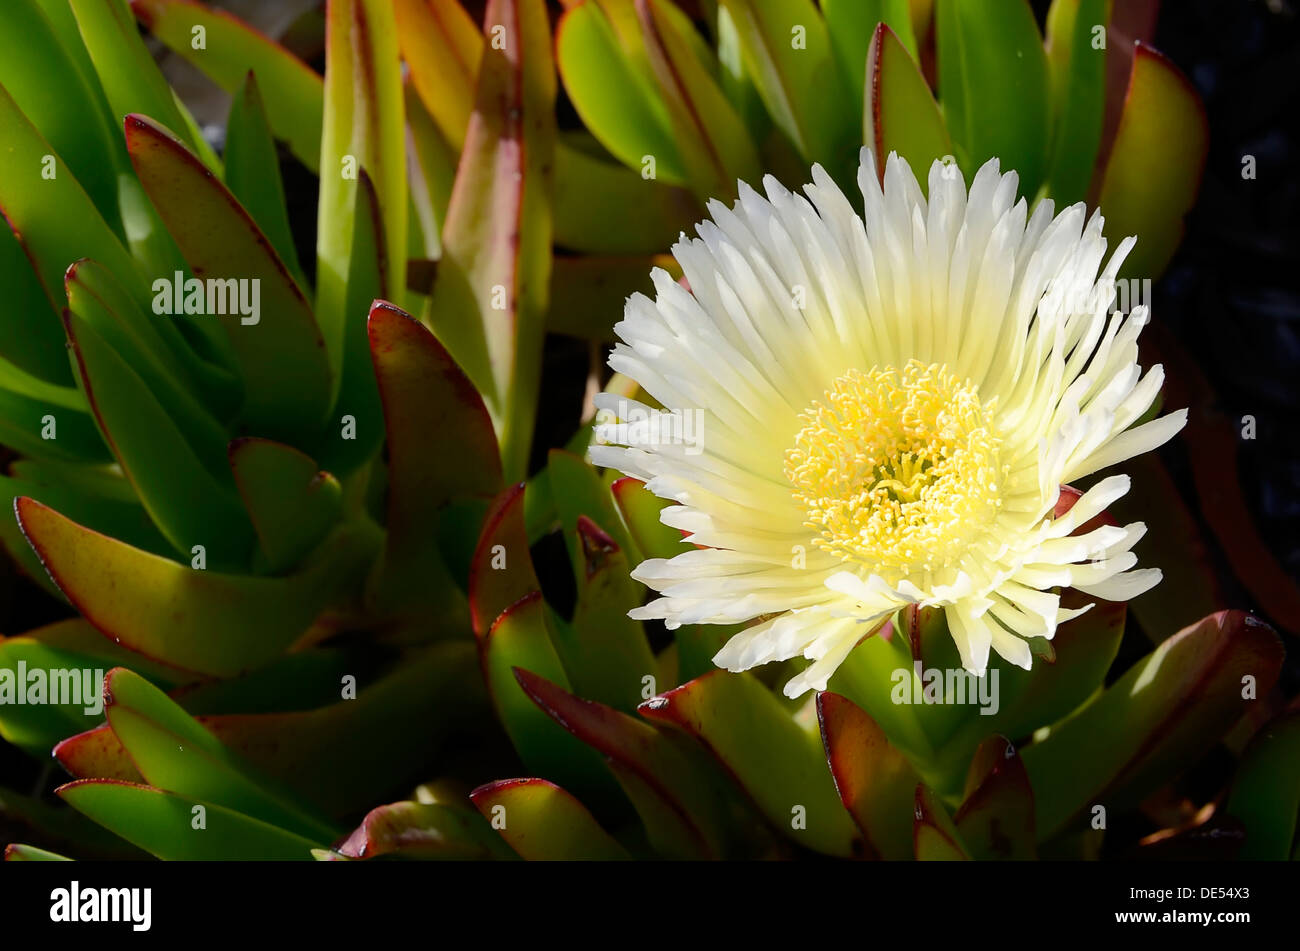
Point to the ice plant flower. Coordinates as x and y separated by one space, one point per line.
891 403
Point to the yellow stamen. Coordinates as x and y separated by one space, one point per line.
897 470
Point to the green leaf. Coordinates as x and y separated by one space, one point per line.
640 509
233 48
156 457
39 209
32 677
1027 700
996 817
162 823
1078 74
678 802
852 24
173 752
443 48
282 354
131 80
358 391
46 81
440 448
1265 793
787 50
97 754
154 350
420 830
618 103
715 146
1165 711
198 620
292 503
32 410
501 570
588 194
901 114
521 639
364 129
933 832
542 822
489 305
29 337
253 171
17 852
874 780
988 59
1154 170
778 761
433 171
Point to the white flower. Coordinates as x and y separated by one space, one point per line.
891 403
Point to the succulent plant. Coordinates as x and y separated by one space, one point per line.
297 539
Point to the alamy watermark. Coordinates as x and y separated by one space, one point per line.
216 296
634 425
934 685
60 686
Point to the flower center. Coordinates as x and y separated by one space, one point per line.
897 470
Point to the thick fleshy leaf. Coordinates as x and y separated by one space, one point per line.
1077 68
501 571
156 457
1266 790
163 823
292 503
29 336
588 292
677 801
614 92
86 502
1026 700
130 79
875 781
37 209
640 509
421 830
987 59
279 348
440 448
431 164
716 148
543 822
62 828
935 837
786 49
198 620
442 47
33 676
852 24
1167 709
233 49
587 190
521 638
299 737
776 759
996 817
901 114
364 129
197 394
97 754
172 751
17 852
489 304
66 104
46 420
1154 171
253 171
